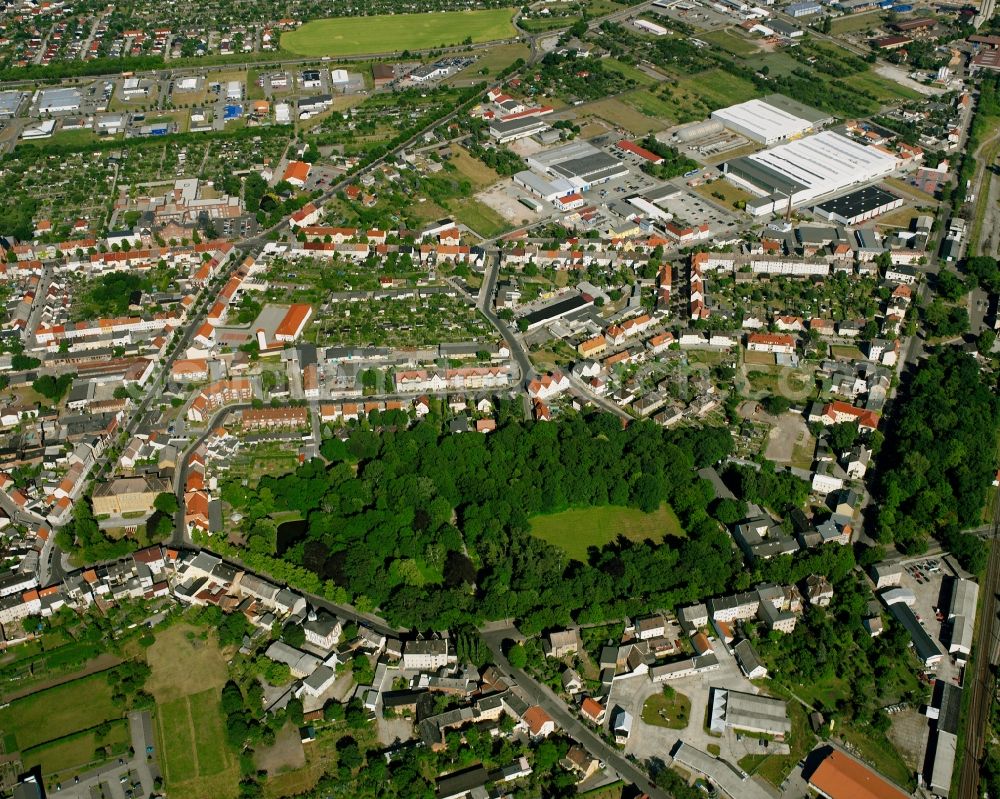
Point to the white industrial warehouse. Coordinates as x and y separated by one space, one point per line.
569 169
762 122
805 170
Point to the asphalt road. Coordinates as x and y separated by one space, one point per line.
485 305
541 695
180 537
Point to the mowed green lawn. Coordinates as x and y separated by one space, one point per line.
391 32
208 732
576 530
76 753
176 740
192 738
58 711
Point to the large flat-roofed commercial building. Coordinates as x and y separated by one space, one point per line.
53 101
943 744
858 206
751 712
579 163
10 102
762 122
513 129
803 171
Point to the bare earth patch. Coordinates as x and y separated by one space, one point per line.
286 753
502 198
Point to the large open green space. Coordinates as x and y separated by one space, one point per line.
57 712
339 36
78 752
576 530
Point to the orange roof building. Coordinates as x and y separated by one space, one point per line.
297 173
294 323
840 776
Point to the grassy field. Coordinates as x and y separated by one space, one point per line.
481 218
178 653
730 42
75 754
57 712
730 194
630 72
475 170
208 732
495 59
174 721
188 674
884 89
618 113
578 529
847 353
383 34
662 711
856 22
880 753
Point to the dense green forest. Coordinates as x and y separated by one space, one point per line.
432 528
939 458
432 508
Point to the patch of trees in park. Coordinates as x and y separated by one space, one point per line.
939 458
412 507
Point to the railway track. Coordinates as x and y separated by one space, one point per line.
982 685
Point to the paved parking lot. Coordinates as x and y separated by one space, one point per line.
696 210
648 741
930 580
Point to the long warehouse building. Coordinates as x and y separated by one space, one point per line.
803 171
762 122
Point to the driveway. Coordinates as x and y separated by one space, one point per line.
650 741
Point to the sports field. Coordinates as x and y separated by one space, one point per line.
576 530
338 36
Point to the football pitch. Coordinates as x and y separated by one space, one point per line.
340 36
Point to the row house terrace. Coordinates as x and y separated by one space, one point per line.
458 379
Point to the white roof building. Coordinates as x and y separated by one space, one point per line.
805 170
762 122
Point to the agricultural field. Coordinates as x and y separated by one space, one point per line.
576 530
396 32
